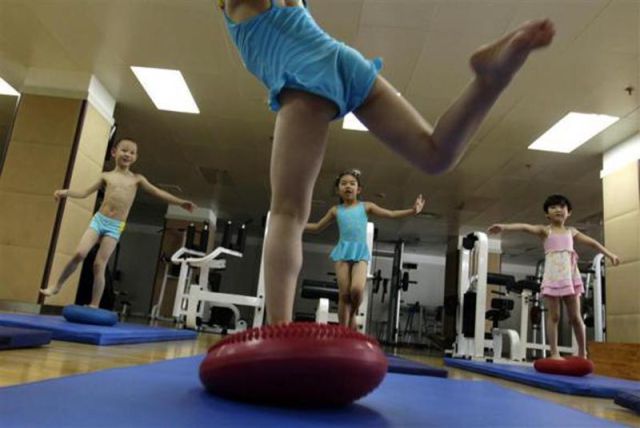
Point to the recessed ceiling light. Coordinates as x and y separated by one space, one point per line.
572 131
7 89
166 88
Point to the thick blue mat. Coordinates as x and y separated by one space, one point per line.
405 366
629 399
591 385
12 337
169 394
94 334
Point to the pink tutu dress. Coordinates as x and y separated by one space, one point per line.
561 275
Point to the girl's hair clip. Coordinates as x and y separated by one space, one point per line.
355 172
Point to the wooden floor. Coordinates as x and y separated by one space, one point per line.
65 358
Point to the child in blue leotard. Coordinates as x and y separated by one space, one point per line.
312 79
351 254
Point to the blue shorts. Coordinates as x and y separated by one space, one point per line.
106 226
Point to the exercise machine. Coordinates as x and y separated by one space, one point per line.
189 248
594 303
389 331
194 296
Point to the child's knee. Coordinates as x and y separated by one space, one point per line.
99 265
575 319
345 298
356 295
296 210
553 318
79 257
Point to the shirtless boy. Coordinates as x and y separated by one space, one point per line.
120 186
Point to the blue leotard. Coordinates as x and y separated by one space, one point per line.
285 48
352 245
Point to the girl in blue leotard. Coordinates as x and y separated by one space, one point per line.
313 79
351 255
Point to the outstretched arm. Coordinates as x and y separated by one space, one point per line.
325 221
533 229
165 196
68 193
587 240
378 211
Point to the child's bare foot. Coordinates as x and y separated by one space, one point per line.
497 62
50 291
556 357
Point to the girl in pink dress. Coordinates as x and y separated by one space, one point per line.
561 280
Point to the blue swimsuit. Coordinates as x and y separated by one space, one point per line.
285 48
352 245
107 226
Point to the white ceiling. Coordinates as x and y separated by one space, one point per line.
220 158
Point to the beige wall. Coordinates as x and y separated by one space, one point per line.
43 156
36 164
86 169
621 193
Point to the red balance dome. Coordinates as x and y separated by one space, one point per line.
570 366
298 364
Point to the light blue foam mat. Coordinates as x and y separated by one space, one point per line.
169 394
120 333
590 385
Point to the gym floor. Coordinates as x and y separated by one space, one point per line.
65 358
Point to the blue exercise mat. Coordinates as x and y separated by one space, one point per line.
94 334
629 399
169 394
405 366
590 385
13 337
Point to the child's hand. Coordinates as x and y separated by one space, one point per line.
418 205
188 205
59 194
615 260
496 228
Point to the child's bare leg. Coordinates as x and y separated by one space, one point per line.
107 245
394 121
87 242
299 144
358 282
552 304
343 275
575 318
